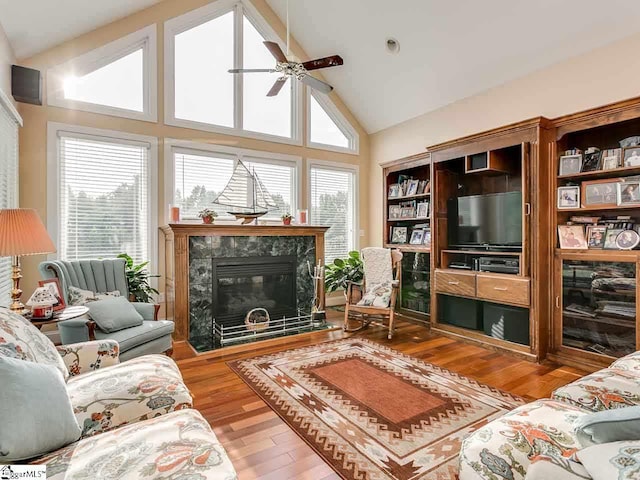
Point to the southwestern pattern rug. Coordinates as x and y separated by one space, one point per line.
374 413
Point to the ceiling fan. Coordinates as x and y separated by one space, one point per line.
293 68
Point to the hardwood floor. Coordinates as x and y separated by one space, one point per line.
260 445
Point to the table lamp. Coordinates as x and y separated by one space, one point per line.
22 233
41 303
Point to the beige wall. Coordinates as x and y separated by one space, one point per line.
33 141
6 60
602 76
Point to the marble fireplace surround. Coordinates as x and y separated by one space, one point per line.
189 249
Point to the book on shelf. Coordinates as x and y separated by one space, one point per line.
581 310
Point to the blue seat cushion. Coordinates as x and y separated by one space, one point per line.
132 337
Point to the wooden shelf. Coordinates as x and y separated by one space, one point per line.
614 172
598 252
408 247
599 209
483 252
409 197
413 219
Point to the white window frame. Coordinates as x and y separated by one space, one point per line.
341 167
339 119
202 15
103 56
256 156
53 178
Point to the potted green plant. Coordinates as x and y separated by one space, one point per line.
342 271
286 219
140 290
207 215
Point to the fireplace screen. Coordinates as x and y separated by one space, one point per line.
242 284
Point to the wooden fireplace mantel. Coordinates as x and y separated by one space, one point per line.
177 259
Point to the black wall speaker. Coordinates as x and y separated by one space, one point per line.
26 85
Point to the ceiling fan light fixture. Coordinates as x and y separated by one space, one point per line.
392 45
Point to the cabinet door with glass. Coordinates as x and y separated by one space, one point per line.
415 285
598 305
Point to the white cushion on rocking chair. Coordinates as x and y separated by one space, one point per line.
377 295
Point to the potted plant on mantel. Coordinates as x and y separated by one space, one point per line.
286 219
208 216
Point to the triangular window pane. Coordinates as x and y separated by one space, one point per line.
270 115
323 129
119 84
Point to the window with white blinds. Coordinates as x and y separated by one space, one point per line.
104 197
200 176
333 202
8 188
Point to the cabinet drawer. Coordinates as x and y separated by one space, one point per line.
456 283
500 289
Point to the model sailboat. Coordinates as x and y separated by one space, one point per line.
246 194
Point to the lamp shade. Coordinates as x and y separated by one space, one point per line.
23 233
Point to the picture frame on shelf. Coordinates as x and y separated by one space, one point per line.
628 193
399 235
572 237
611 236
627 240
412 187
569 197
611 159
427 188
53 284
591 160
631 157
394 190
600 193
395 212
422 210
595 236
570 164
417 237
408 212
426 239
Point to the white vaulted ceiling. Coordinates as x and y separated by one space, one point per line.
450 49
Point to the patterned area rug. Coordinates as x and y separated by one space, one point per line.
372 412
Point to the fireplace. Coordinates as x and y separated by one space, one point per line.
241 284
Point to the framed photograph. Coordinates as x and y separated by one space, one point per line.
595 236
629 193
399 235
600 193
395 212
394 190
426 240
570 164
627 240
423 210
408 212
412 187
572 237
631 157
427 188
611 158
53 284
569 197
610 238
591 161
417 237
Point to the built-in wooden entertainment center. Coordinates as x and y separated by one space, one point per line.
497 274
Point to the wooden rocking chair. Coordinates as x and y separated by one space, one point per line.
381 273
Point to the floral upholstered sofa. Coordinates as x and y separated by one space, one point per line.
135 417
538 441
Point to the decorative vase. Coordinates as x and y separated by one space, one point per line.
207 220
286 221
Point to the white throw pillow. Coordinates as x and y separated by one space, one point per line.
377 295
615 460
78 296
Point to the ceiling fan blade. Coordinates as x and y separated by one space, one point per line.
275 90
276 51
325 62
316 84
251 70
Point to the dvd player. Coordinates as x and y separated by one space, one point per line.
499 264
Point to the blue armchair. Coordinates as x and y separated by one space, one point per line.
99 276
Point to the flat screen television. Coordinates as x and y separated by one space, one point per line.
493 220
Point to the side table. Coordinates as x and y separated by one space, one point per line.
59 316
